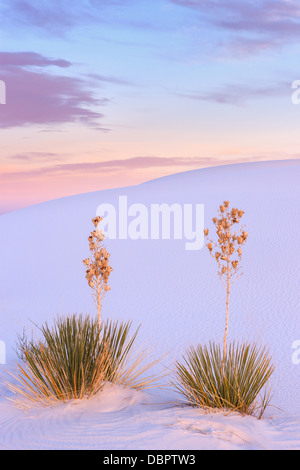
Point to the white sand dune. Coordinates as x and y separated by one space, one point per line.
177 297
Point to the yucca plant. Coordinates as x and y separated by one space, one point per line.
226 377
204 381
227 252
98 267
69 362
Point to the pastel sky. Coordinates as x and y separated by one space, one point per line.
109 93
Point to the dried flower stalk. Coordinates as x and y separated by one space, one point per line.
98 268
227 252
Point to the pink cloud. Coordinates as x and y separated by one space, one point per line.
115 166
37 97
22 188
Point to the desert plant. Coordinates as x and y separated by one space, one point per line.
69 362
227 252
98 268
220 376
235 385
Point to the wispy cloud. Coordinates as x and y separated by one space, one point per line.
37 96
51 17
109 79
27 59
36 156
58 17
134 163
258 25
237 95
130 164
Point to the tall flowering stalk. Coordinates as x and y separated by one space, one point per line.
98 268
227 252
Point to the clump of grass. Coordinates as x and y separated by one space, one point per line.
208 381
70 362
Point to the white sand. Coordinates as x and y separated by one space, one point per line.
177 297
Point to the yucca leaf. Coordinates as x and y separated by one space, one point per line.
202 381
